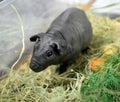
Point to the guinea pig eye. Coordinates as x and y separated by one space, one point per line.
49 53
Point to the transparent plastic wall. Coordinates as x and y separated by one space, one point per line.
36 16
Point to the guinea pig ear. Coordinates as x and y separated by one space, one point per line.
55 47
58 48
35 37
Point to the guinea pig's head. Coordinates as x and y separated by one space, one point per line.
47 51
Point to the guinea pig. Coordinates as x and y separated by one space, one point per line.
62 43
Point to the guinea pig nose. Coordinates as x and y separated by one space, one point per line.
34 66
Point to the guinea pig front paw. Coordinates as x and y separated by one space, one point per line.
62 68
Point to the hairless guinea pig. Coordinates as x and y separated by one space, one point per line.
68 35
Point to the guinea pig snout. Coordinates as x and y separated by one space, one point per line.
34 66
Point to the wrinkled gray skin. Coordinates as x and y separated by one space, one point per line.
68 35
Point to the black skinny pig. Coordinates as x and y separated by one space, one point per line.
68 35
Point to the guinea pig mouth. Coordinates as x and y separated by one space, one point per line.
36 67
